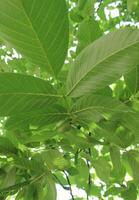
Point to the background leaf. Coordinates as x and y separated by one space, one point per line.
88 31
102 168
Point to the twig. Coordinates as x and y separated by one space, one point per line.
89 179
88 164
68 180
100 3
76 155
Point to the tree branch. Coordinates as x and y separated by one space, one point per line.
88 164
68 180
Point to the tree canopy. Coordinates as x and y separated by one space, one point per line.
69 99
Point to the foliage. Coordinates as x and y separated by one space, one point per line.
69 98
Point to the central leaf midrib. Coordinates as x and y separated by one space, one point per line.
96 107
132 44
38 114
30 94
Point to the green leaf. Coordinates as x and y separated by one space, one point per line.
72 140
94 107
132 5
3 66
102 168
86 7
103 62
130 192
75 15
113 191
107 91
51 189
130 121
24 94
15 141
6 146
39 119
119 136
30 193
118 172
55 160
81 4
60 178
82 177
115 157
37 29
119 89
41 136
33 164
88 31
132 80
132 159
10 178
95 190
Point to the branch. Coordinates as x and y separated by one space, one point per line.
76 155
68 180
88 164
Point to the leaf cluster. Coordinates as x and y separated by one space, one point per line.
69 99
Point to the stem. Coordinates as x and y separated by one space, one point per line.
37 178
68 180
89 177
100 2
76 155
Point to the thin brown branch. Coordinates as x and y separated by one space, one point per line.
68 181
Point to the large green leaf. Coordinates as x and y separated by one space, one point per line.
103 62
23 94
93 107
36 119
37 29
44 116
